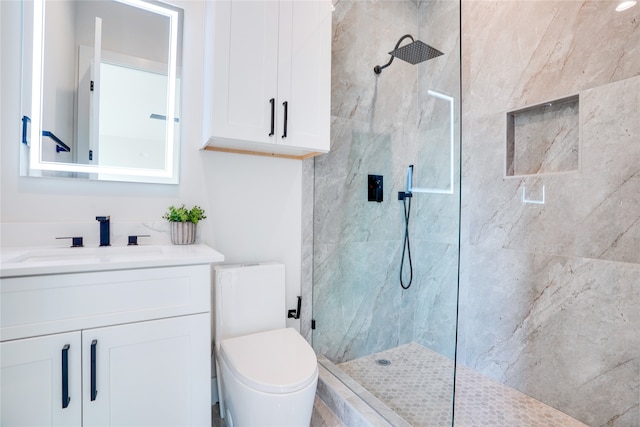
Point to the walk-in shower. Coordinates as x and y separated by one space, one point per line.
528 316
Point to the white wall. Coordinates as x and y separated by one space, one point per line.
253 204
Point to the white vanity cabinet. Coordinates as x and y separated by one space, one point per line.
31 381
268 77
148 373
114 347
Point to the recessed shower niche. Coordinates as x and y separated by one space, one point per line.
544 138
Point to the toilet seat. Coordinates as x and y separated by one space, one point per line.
278 361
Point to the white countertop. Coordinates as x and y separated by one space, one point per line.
16 262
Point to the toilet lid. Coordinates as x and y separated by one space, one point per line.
278 361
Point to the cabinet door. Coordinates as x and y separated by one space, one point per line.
244 66
304 73
153 373
32 381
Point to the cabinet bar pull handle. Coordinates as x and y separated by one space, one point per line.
94 392
25 122
286 114
65 376
273 116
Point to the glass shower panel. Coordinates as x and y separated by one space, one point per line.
386 337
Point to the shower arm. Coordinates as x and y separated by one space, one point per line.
378 68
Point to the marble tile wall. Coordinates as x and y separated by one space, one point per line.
549 293
380 125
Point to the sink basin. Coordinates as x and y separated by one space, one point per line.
101 254
17 262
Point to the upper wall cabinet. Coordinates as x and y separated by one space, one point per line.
268 77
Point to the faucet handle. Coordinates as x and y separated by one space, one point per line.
133 240
76 242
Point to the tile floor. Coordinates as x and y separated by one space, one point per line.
418 382
321 417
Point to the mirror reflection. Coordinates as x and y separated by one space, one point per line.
101 91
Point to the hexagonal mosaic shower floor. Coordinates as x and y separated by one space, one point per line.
417 384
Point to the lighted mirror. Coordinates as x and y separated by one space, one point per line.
101 90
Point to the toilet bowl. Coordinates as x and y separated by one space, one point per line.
267 373
269 379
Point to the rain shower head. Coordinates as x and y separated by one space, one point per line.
413 53
416 52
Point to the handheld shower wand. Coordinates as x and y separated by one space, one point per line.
404 194
409 180
406 247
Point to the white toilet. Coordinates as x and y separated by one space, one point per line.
267 373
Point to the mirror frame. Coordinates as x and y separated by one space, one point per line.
168 175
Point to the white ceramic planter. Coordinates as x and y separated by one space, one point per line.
183 233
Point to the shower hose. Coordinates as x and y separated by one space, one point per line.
406 247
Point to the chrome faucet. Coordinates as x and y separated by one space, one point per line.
104 230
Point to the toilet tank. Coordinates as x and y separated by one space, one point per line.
248 299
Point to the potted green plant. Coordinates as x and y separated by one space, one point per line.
183 223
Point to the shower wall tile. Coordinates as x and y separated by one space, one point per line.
549 292
364 33
360 305
342 212
438 27
434 296
427 307
610 167
344 221
522 53
435 216
606 182
366 309
562 330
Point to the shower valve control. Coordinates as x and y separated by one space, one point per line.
375 188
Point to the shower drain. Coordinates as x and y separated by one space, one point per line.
383 362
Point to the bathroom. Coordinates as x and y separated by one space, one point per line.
574 259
